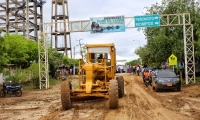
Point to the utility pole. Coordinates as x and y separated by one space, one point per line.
74 62
80 44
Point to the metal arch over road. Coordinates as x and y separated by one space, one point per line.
165 20
84 25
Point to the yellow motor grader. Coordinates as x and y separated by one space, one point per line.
96 77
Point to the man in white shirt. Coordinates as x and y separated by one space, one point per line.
138 70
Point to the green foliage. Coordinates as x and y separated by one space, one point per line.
27 86
197 45
32 50
57 59
54 59
54 56
53 82
33 74
66 60
133 62
75 61
3 54
163 41
26 75
16 49
20 50
197 79
16 77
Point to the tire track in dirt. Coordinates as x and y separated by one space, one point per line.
135 99
132 99
90 110
147 106
97 115
75 112
138 103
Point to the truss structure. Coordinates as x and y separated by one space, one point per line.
22 17
43 61
182 19
60 15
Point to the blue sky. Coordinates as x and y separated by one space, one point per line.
125 42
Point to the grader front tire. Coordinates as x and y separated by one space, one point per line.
120 80
65 95
113 94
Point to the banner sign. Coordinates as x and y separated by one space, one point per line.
107 24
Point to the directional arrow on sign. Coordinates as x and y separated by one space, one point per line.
147 20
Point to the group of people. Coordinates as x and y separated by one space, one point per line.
120 69
135 69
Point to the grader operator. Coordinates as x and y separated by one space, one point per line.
96 77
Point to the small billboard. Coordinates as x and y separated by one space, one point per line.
147 21
107 24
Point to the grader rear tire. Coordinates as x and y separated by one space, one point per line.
120 81
65 95
113 94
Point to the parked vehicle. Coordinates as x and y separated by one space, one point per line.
165 79
9 89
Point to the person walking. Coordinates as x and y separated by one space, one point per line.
118 69
133 69
138 70
130 69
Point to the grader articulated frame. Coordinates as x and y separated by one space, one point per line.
96 77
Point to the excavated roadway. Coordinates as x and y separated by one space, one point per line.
138 103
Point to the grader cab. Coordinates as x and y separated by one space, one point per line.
96 77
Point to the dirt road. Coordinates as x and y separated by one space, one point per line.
139 103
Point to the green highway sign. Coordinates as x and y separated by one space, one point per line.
147 20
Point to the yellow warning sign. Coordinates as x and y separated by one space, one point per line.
172 59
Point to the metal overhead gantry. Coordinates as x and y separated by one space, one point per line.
182 19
